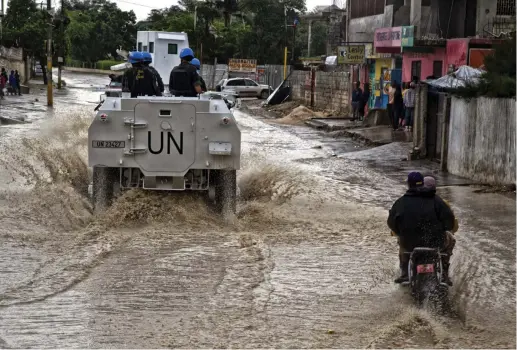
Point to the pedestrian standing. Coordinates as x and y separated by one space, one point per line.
409 103
365 97
12 82
391 101
356 98
398 106
18 84
3 82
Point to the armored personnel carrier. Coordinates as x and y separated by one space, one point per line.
165 144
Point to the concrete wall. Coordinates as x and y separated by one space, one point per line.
14 65
486 12
363 29
89 70
481 143
331 90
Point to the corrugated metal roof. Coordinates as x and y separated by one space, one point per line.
459 78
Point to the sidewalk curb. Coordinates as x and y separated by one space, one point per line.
318 123
361 138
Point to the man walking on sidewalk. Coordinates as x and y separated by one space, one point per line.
409 103
357 95
18 85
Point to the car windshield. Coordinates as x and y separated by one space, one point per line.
221 82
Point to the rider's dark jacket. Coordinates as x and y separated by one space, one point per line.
420 219
183 79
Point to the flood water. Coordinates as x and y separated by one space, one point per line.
309 263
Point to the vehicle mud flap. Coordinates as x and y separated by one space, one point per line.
103 188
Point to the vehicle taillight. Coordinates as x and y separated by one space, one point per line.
226 120
427 268
103 117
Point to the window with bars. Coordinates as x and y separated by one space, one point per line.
505 8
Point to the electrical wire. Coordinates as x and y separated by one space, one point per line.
136 4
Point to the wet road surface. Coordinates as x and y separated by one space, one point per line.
309 262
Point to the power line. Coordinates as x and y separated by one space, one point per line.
134 3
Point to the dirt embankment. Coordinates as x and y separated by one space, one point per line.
291 112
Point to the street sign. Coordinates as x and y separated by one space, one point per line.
408 36
351 54
242 65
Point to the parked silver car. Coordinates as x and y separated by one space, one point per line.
244 87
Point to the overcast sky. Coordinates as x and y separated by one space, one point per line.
142 10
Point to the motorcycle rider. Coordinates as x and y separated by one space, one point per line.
419 219
139 80
148 59
450 241
184 77
201 87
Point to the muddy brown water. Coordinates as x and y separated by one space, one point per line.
307 264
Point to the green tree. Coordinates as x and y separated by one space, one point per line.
97 28
25 25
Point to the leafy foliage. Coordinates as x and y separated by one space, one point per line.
25 25
238 29
97 28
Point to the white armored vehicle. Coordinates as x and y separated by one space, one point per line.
165 144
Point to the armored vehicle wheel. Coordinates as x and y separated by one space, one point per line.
103 188
225 186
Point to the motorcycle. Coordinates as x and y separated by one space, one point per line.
426 282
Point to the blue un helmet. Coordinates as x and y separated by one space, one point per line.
147 57
187 54
195 62
135 57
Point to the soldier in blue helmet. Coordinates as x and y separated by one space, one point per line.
201 87
148 59
139 80
184 77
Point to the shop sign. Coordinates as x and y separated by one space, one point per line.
388 37
408 36
351 54
242 65
370 53
457 52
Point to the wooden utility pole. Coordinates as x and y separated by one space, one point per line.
50 100
61 58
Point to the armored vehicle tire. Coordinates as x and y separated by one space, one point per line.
103 188
264 94
225 185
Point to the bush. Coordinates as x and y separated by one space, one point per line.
106 64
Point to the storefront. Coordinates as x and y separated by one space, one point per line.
422 58
386 64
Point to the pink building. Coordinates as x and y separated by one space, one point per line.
424 64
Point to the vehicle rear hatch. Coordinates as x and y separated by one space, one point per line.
164 136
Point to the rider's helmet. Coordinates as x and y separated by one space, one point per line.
135 57
195 62
147 57
187 54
